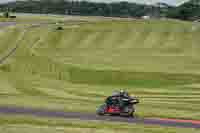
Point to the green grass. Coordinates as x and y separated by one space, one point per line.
140 79
44 125
75 69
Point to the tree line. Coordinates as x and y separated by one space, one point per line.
186 11
120 9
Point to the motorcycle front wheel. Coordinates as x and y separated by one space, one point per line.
101 110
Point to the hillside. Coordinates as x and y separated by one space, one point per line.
187 11
75 69
86 8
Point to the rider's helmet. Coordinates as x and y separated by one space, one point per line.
124 93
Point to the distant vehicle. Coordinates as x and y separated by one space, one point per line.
146 17
120 103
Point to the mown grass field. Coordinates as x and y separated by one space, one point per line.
77 68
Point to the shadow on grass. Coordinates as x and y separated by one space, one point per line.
141 79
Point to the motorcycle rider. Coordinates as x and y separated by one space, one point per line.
124 96
118 98
113 99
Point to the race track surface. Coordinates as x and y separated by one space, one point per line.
86 116
5 24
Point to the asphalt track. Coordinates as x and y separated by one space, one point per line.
6 110
5 24
86 116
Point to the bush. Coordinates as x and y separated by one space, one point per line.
59 28
6 14
12 16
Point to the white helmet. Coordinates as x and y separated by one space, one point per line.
121 92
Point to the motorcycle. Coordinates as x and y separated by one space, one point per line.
120 106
